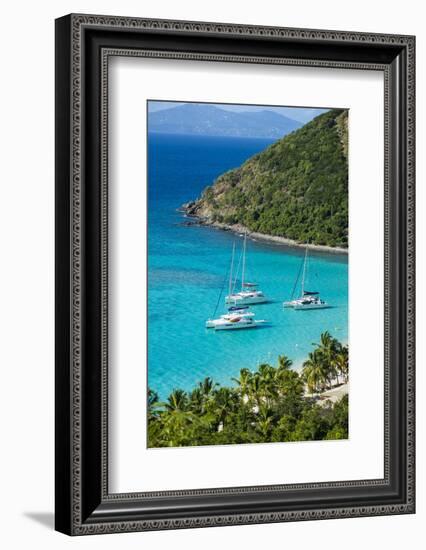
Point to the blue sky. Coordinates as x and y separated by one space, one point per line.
302 114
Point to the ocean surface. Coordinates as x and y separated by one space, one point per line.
188 267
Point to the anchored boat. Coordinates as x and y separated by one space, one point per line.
237 323
307 299
249 293
310 300
237 316
233 314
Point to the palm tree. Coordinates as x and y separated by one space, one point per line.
289 383
177 401
264 421
255 390
282 374
328 350
153 404
206 390
267 379
342 362
284 363
314 372
244 383
207 386
196 400
225 402
177 419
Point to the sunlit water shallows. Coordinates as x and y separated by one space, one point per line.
187 267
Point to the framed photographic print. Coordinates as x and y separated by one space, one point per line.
234 274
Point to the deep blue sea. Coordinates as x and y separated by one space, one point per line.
187 267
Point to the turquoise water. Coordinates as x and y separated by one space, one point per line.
187 269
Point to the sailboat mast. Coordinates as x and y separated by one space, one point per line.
232 268
304 270
244 262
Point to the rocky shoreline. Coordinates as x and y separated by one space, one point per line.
188 210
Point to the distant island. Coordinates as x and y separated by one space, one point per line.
204 119
295 191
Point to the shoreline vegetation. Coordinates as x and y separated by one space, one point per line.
241 229
293 192
271 404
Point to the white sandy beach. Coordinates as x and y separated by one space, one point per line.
335 394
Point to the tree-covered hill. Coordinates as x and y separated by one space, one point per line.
297 188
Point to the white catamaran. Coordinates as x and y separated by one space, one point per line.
233 314
238 323
249 294
237 317
308 299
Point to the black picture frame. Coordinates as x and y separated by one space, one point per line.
83 45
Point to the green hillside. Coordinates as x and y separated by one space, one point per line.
297 188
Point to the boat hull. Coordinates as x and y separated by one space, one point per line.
301 307
245 301
306 304
212 323
239 326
